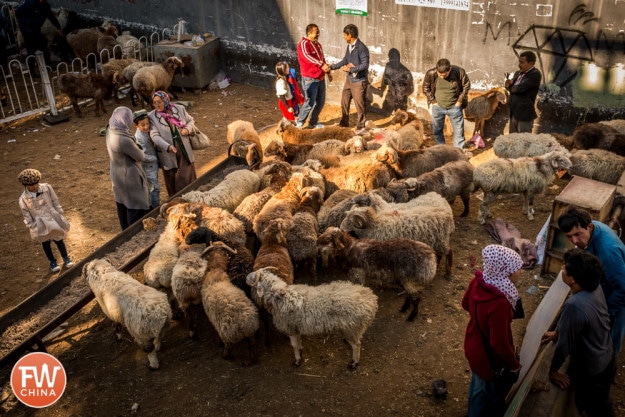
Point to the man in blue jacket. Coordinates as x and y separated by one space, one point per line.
598 239
31 15
356 65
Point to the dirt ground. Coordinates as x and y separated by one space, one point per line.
399 360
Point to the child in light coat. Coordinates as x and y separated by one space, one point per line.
43 215
150 164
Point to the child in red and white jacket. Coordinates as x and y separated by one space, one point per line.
287 90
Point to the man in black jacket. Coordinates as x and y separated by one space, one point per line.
523 88
31 15
447 89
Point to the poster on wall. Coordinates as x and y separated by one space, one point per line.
353 7
441 4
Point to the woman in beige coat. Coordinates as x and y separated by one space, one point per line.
170 125
43 215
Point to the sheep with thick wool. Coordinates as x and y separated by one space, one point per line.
450 180
291 134
233 315
516 145
419 161
601 136
229 193
427 218
148 80
95 86
403 263
144 311
245 142
598 165
159 266
298 309
302 238
297 154
482 108
332 211
128 74
186 279
279 175
527 175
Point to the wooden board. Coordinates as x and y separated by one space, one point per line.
539 323
524 385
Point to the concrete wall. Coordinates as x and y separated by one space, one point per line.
580 47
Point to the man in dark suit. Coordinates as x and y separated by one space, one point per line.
523 88
356 65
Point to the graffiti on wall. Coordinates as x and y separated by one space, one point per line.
575 57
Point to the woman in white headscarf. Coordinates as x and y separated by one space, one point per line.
130 185
491 300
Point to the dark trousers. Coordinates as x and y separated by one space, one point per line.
178 178
592 392
520 126
47 249
128 216
358 92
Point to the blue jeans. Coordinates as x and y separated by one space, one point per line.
456 119
315 95
484 398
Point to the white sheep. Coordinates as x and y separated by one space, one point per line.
233 315
299 309
396 262
144 311
516 145
149 79
597 164
160 264
229 193
527 175
186 279
427 218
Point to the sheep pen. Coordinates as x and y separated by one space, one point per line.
430 348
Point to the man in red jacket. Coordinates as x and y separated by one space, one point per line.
313 67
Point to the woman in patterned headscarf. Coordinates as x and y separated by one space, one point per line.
490 300
130 185
170 125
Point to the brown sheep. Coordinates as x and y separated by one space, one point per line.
601 136
245 142
482 108
403 263
291 134
95 86
416 162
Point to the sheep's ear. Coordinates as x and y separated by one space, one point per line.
359 221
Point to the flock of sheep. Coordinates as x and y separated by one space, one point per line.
377 206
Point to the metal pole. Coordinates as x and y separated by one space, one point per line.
45 80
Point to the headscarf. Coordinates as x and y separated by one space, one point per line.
499 263
121 119
166 114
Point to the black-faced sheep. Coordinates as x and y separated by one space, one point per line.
482 108
95 86
144 311
291 134
516 145
241 261
233 315
599 135
427 218
149 79
245 142
597 164
416 162
298 309
395 262
450 180
302 238
527 175
186 279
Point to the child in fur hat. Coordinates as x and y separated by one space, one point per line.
43 215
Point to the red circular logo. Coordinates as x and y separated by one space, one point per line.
38 379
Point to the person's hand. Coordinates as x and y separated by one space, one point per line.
561 380
172 149
184 131
290 109
325 68
549 336
345 68
508 83
329 76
